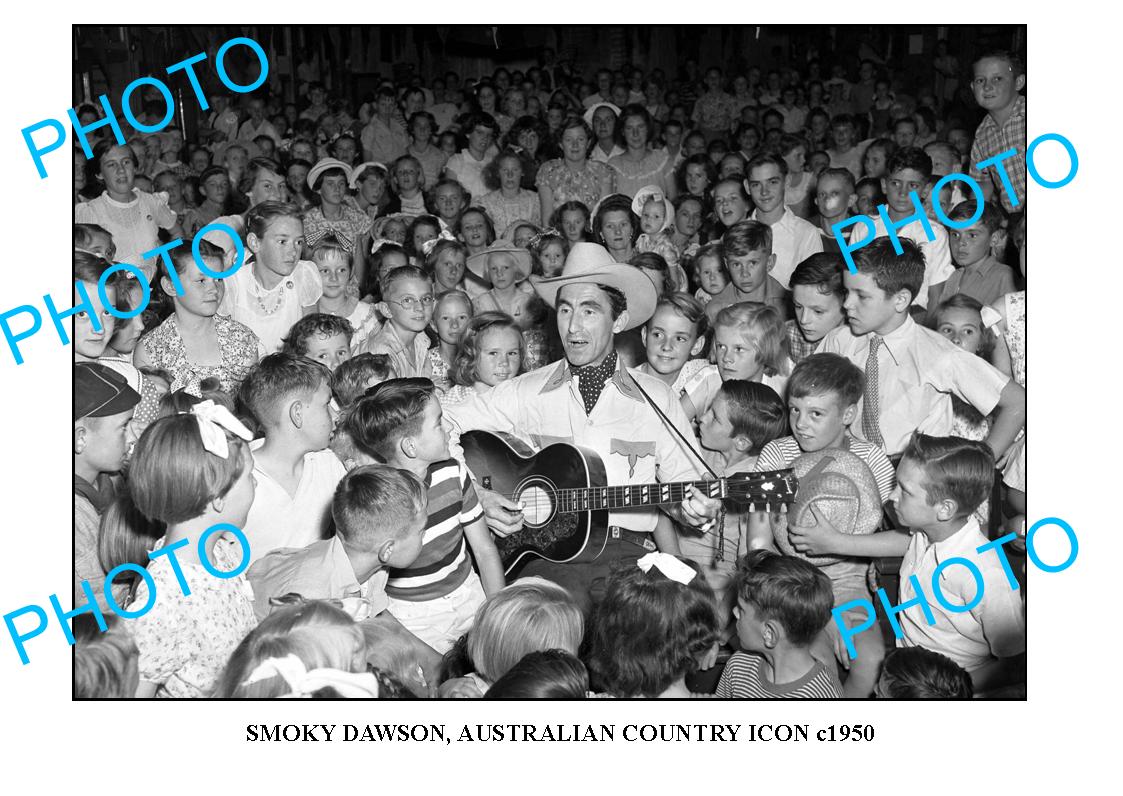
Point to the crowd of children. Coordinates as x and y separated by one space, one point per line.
393 250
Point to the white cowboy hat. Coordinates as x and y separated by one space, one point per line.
591 263
477 263
323 165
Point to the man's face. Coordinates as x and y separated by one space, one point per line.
585 323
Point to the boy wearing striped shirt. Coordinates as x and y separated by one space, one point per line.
436 596
783 604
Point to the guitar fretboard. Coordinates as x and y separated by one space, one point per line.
622 497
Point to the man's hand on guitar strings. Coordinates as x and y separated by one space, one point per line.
698 510
504 516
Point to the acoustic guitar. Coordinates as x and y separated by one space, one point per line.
567 499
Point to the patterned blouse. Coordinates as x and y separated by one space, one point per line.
240 349
568 185
184 642
351 226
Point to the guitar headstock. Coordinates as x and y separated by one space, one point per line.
771 490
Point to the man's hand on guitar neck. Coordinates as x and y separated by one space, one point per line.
698 511
503 515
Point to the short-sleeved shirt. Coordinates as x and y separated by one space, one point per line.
995 627
544 407
567 185
409 361
278 519
742 678
239 347
504 212
937 256
134 225
991 140
185 641
774 294
988 281
319 571
271 313
918 372
469 172
384 143
444 563
703 386
793 241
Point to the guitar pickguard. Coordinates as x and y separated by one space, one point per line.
546 537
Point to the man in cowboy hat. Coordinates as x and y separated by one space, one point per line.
591 400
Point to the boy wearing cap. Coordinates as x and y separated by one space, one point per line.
103 406
591 400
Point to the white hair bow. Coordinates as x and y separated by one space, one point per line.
214 420
428 246
304 683
379 243
668 565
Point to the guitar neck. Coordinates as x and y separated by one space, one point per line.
634 495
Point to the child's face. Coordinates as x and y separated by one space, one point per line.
873 163
335 271
201 293
670 340
410 304
298 174
502 270
711 275
473 227
961 140
818 162
910 497
128 330
654 217
715 429
766 187
816 312
447 143
408 544
510 174
868 307
408 175
843 137
905 135
317 418
995 85
730 204
333 189
796 160
962 326
499 355
268 186
390 261
750 627
302 150
573 225
168 183
422 234
899 185
819 421
101 244
345 150
448 199
107 441
279 249
88 343
372 188
450 318
688 219
216 188
330 350
449 268
431 440
552 258
673 136
200 160
737 355
695 145
395 230
522 237
943 162
730 165
970 245
868 198
696 179
833 197
749 271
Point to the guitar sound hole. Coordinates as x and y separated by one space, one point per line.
538 505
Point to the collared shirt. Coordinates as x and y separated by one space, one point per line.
773 293
600 156
383 143
990 140
278 519
937 256
793 241
918 372
320 571
413 361
995 627
987 281
544 407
